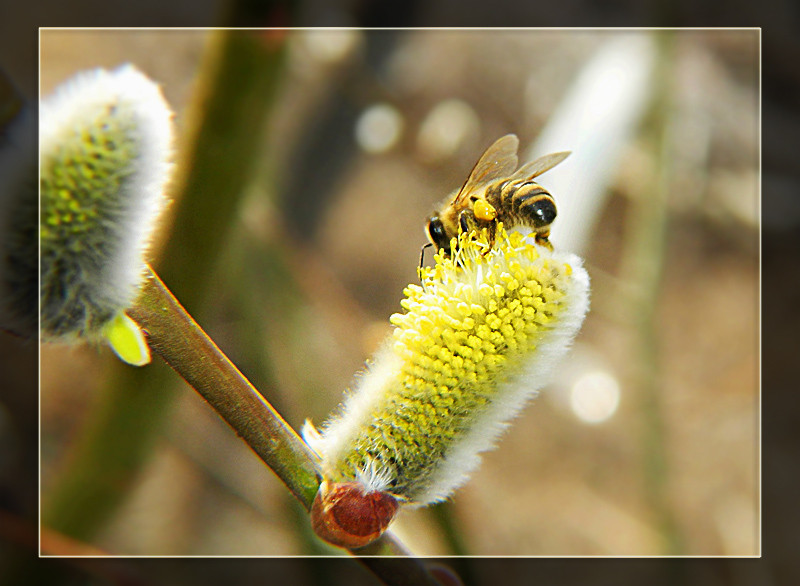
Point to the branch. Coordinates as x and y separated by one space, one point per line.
174 335
187 349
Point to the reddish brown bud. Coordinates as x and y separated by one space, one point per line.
345 515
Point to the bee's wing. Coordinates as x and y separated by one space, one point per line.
540 165
498 161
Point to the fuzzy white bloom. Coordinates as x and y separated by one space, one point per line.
476 341
105 144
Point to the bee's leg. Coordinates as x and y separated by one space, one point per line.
542 238
492 233
467 222
470 224
483 210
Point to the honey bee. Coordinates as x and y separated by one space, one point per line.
494 192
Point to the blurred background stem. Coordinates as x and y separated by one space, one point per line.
643 263
232 105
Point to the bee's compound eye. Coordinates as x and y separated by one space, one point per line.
437 234
544 212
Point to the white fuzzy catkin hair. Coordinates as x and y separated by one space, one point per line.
105 140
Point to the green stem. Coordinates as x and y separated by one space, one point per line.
176 337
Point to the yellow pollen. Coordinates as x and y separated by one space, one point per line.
484 210
473 325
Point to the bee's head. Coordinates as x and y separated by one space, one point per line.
437 233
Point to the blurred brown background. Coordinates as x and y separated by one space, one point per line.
370 130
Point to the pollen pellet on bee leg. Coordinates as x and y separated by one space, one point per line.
483 210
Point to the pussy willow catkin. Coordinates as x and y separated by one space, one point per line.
476 340
105 145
